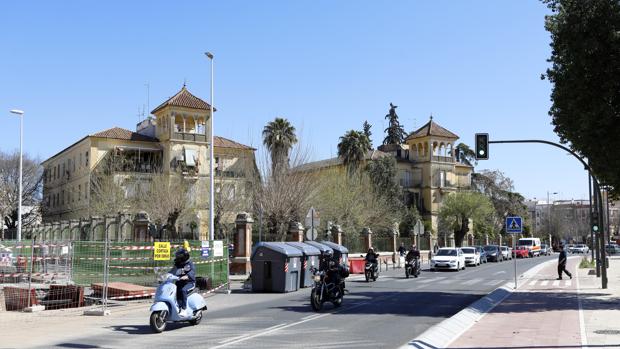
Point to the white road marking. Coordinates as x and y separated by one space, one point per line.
493 282
582 323
568 283
235 339
544 283
533 283
556 283
471 282
500 272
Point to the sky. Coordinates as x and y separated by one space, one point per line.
77 68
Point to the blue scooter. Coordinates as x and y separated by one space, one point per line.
165 307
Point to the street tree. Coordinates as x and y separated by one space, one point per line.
410 217
395 132
279 137
32 186
382 173
467 154
500 190
108 187
585 74
352 149
459 208
167 199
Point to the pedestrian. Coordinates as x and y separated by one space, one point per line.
401 252
562 264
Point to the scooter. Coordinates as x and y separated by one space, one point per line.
371 271
165 306
412 267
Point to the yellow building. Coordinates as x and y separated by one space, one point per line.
173 142
427 168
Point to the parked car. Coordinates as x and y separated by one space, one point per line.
472 256
580 248
612 249
569 248
483 254
506 252
493 253
521 252
545 250
448 258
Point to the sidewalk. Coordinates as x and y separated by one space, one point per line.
550 313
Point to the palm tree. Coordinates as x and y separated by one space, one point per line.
279 137
352 149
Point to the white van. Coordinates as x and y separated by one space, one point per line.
532 244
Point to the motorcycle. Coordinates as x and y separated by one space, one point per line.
412 267
165 306
325 290
371 271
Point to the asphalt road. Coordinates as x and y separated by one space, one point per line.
382 314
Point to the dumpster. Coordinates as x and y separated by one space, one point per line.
321 247
341 253
276 267
310 259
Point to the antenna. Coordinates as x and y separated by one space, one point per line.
148 98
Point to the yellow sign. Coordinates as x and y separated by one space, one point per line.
161 251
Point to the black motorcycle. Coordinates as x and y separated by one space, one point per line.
412 267
325 289
371 271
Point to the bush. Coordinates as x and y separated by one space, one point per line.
586 263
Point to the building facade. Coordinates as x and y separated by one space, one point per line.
173 142
427 168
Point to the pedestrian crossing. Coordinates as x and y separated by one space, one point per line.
552 283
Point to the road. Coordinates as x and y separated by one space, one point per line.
383 314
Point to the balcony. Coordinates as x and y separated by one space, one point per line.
190 137
442 158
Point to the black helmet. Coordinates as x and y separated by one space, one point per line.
181 256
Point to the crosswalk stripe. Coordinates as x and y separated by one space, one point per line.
568 283
423 281
533 283
472 281
544 283
493 282
445 282
556 283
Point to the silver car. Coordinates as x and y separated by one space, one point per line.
506 252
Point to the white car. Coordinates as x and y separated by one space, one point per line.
506 252
580 248
448 258
472 256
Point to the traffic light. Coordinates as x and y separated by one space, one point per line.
482 146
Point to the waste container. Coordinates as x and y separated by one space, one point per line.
275 267
309 260
321 247
341 253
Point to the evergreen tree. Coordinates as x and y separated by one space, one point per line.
395 131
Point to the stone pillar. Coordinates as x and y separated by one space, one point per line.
337 233
367 234
295 232
394 243
500 239
243 244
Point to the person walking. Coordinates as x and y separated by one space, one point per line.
562 264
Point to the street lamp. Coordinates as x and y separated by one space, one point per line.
211 174
19 207
549 216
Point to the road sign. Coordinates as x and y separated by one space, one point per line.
418 229
311 234
313 219
161 251
513 225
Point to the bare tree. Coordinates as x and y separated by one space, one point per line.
109 187
284 195
166 199
230 199
32 185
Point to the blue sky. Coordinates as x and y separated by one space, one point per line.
80 67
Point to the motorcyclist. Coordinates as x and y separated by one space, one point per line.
371 257
413 254
332 269
186 271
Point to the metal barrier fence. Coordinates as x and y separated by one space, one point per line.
64 274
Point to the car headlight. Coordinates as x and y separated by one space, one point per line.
452 261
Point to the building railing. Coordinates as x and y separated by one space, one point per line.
192 137
442 158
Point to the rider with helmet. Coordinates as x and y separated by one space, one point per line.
186 271
371 256
413 254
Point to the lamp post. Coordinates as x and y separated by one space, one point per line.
211 174
549 216
19 207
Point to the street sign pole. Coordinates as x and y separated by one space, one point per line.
514 225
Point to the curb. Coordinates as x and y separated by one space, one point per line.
444 333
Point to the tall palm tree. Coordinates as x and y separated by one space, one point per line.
279 137
352 149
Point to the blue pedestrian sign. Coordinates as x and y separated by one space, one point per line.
514 225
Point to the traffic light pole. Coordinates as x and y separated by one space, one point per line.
598 198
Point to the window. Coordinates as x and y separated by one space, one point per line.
86 191
62 198
81 161
442 179
86 158
79 192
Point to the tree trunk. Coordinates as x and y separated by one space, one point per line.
459 235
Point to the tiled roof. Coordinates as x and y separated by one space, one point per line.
121 133
227 143
431 129
370 155
184 99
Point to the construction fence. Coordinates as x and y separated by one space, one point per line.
68 274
